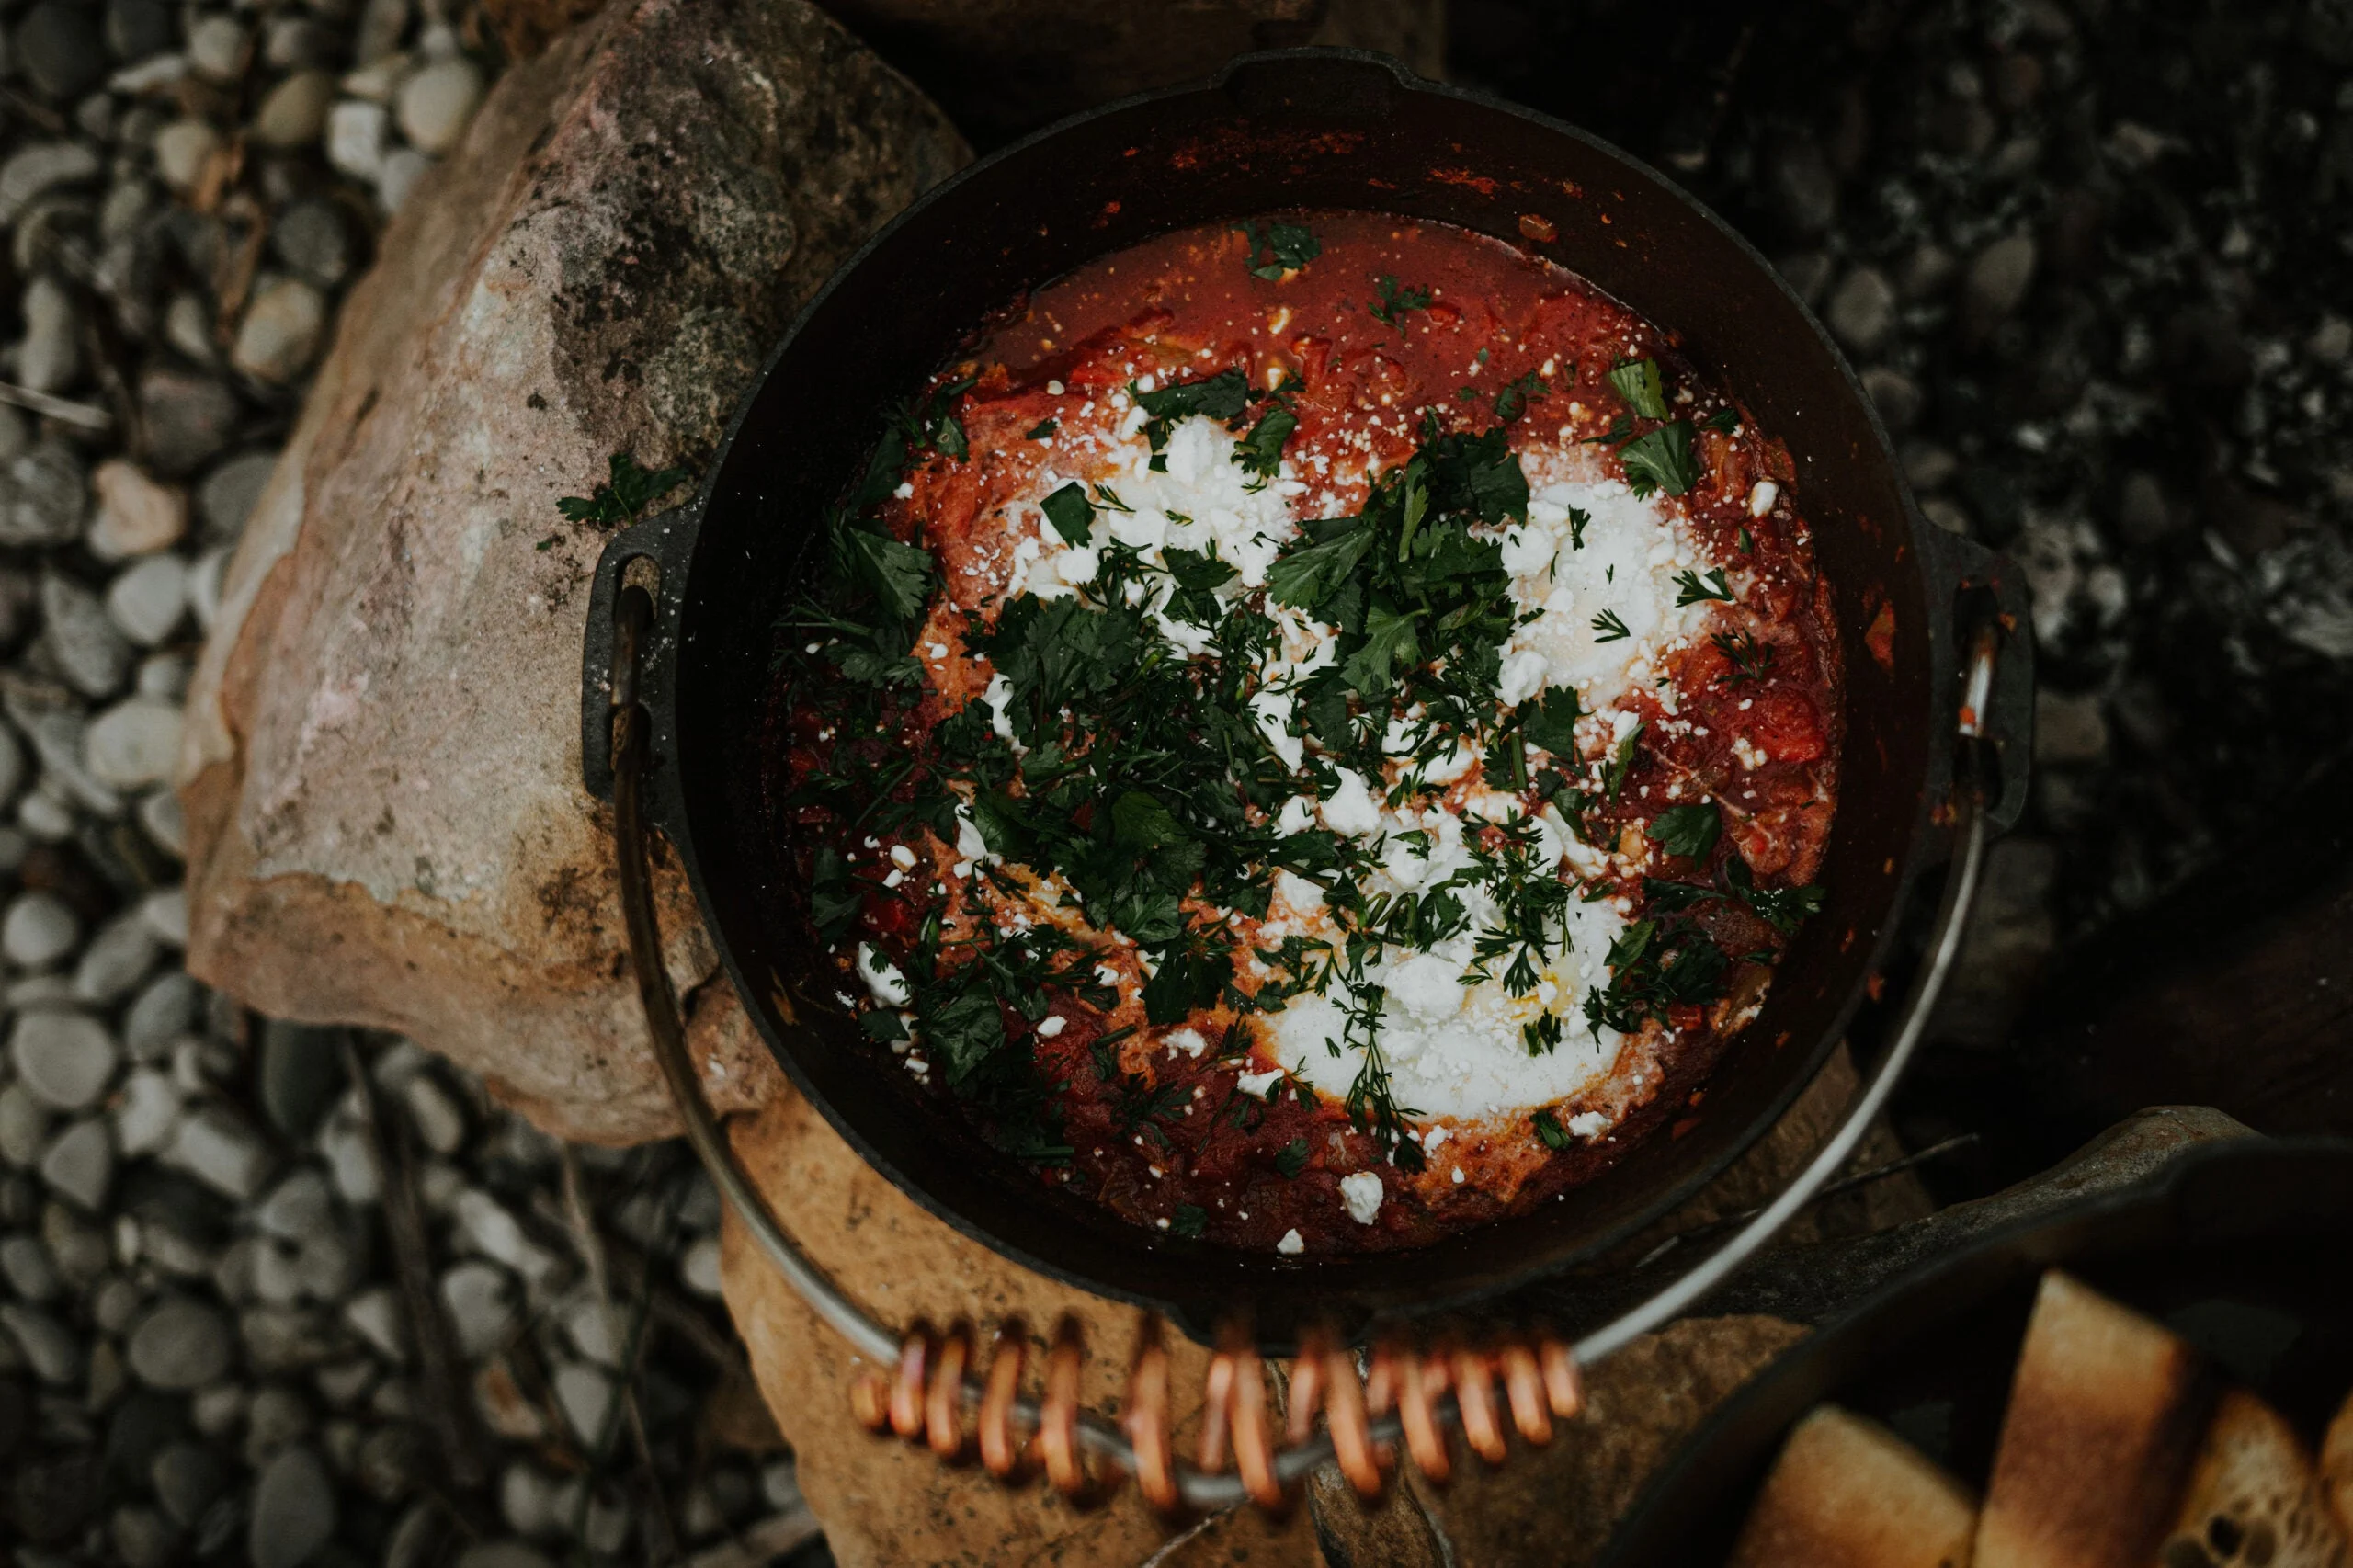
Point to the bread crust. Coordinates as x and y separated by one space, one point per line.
1848 1492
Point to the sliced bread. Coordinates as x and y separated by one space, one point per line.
2106 1409
2253 1498
1848 1492
2336 1468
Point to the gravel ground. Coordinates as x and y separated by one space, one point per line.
2092 260
207 1226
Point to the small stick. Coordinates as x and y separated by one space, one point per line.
87 416
1844 1183
437 1357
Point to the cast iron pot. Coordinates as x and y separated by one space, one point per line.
1289 129
2245 1248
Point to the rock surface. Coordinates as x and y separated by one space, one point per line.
467 898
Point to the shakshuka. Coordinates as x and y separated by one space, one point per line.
1309 730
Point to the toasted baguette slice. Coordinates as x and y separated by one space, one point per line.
2106 1409
1848 1492
2253 1498
2336 1468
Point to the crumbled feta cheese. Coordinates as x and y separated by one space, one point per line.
1187 1041
1361 1192
883 977
1349 808
1048 1028
1292 1245
902 857
1761 498
1588 1124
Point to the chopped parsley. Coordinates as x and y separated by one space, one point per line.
1260 453
1660 460
1221 396
1656 965
1043 431
1638 382
1071 513
1784 909
1610 626
1547 1128
1512 401
1282 247
1291 1158
1692 587
1396 300
1689 831
1622 762
1723 421
1190 1219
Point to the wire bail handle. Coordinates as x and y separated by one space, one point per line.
1405 1398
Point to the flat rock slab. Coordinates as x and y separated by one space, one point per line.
381 765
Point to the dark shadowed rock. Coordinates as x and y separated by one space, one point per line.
660 191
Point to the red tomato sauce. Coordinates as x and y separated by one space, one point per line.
1167 1141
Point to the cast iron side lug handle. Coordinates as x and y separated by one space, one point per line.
664 542
1976 588
1409 1398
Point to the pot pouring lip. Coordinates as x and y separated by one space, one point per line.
672 542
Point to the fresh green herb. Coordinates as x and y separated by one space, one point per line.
1660 460
1547 1128
1621 429
899 575
1291 1158
550 542
1689 831
1108 499
1784 909
1610 627
1394 300
1655 966
1750 659
1260 453
1190 1219
1071 513
1043 430
1747 542
1613 777
1723 421
629 491
1694 587
1221 396
1283 247
1579 520
1512 401
1638 382
1553 724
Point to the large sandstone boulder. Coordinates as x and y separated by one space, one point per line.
381 773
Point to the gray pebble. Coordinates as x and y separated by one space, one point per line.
1998 281
58 48
326 1266
294 43
312 238
278 1415
293 1511
699 1267
142 1537
114 1304
220 1410
136 516
502 1554
356 134
166 821
165 913
440 1125
280 332
90 653
480 1298
2069 728
50 360
376 1316
293 112
436 103
149 1113
2142 512
45 496
137 28
189 417
1800 175
183 150
1895 395
26 1264
77 1244
181 1344
38 930
1863 310
118 958
216 47
204 585
347 1384
402 168
299 1207
167 1007
64 1058
218 1149
79 1162
34 170
187 1478
134 744
527 1500
12 775
226 498
352 1161
49 1346
585 1394
24 1126
301 1074
45 815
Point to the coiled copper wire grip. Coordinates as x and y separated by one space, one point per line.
1406 1395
